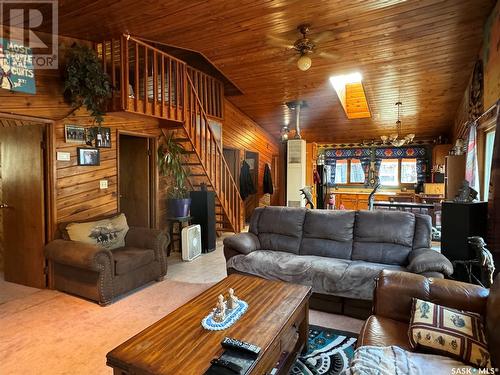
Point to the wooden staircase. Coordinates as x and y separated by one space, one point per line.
186 101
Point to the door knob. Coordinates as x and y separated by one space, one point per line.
4 205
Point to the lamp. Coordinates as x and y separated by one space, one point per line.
304 62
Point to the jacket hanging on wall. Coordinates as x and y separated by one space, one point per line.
246 182
268 180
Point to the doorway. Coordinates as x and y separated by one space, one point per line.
24 200
252 202
137 179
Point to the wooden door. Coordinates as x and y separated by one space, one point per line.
252 202
23 207
135 180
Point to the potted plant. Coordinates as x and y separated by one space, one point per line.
85 82
170 155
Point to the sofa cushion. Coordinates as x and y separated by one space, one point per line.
423 231
254 220
386 253
339 277
107 233
128 259
449 332
280 228
383 236
328 233
357 280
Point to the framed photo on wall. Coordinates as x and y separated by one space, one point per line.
74 134
88 156
103 138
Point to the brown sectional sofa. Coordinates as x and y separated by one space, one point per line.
338 253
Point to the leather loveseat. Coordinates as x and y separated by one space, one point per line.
101 274
338 253
392 312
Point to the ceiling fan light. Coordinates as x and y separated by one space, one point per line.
304 62
393 137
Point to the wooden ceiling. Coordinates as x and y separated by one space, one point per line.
418 51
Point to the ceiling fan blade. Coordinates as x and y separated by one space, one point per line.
328 55
292 60
279 42
324 36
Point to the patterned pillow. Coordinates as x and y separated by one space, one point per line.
449 332
107 234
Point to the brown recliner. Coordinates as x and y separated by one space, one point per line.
392 307
102 275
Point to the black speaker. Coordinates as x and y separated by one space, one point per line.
203 213
458 222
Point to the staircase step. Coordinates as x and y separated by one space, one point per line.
191 163
197 175
181 139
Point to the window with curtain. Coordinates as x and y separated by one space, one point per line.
389 172
488 156
408 171
356 175
341 172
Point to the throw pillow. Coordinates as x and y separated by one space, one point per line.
107 234
449 332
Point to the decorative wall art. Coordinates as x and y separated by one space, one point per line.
88 156
103 138
74 134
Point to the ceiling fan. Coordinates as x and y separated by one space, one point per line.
304 46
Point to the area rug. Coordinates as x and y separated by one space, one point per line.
329 352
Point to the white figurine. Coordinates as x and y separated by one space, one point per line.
232 301
219 313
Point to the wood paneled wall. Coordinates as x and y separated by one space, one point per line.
242 133
78 196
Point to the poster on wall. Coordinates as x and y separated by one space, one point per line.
16 67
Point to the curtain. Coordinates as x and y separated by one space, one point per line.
329 173
378 162
471 166
421 170
494 197
365 164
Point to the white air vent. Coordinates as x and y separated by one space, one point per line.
191 242
295 152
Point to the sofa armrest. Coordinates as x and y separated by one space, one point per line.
153 239
405 286
79 254
242 243
147 238
428 260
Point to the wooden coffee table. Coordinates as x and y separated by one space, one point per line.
276 320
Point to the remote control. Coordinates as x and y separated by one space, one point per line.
242 346
226 364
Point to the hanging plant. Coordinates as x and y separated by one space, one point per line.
170 155
85 82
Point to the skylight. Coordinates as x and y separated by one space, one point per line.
351 93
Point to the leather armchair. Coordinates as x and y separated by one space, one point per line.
102 275
392 307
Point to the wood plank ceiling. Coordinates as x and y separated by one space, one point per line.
420 52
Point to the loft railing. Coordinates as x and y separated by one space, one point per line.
210 92
150 82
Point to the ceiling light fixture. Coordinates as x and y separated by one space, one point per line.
393 138
304 62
